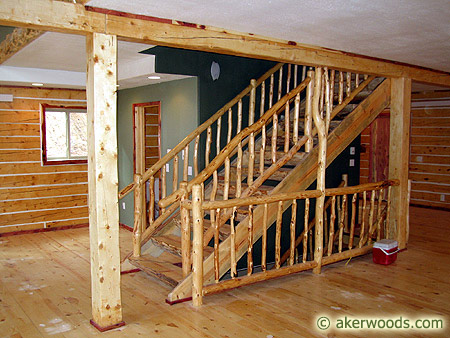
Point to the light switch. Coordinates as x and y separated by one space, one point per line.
352 163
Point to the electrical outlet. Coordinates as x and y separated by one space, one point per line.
189 170
123 205
352 163
442 198
352 150
167 168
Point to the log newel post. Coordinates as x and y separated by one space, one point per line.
399 158
103 180
197 252
138 211
322 155
185 232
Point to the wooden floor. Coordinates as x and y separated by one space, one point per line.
45 292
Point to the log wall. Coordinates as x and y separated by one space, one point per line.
429 167
33 196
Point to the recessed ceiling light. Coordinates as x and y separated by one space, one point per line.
37 84
154 77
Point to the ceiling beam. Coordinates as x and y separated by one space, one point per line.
16 40
75 18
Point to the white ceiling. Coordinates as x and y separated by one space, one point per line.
59 60
411 31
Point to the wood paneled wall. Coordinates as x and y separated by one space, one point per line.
33 196
429 167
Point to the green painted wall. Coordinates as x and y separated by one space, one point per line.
179 116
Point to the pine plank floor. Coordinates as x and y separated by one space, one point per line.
45 292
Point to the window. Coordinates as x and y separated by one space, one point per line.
64 134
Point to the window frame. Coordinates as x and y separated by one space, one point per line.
45 161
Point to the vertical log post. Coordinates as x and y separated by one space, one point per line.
197 252
185 233
278 235
399 157
103 180
321 167
264 240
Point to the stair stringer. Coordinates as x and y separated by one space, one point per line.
300 178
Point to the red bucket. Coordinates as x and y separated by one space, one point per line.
385 251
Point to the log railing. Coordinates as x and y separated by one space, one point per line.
344 238
214 134
260 140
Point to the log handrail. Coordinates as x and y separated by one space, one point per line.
232 145
199 130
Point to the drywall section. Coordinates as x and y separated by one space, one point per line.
33 196
179 117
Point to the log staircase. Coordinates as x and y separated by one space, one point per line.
276 154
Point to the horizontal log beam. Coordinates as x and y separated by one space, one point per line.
75 18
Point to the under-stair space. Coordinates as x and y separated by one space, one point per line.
277 153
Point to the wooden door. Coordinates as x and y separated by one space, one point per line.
379 148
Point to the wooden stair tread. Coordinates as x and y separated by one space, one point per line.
171 243
165 271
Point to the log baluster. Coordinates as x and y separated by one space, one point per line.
263 99
218 133
288 80
163 184
303 73
357 80
332 83
380 200
185 233
139 194
239 156
250 241
371 212
348 80
208 145
363 219
251 142
151 202
278 235
271 90
292 232
342 219
388 213
262 151
296 118
274 138
352 224
280 83
341 87
197 141
308 112
295 75
216 224
328 102
332 225
305 231
233 244
286 128
175 173
186 163
264 239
